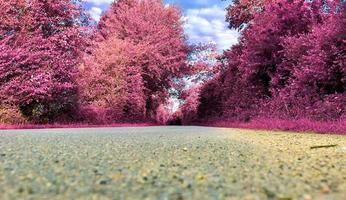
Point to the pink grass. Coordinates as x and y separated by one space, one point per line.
34 126
302 125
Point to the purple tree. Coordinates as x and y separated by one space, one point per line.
39 44
289 63
153 54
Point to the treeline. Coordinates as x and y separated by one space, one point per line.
56 67
290 64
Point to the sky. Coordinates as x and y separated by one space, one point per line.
205 20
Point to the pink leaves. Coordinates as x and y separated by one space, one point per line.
290 63
141 49
40 74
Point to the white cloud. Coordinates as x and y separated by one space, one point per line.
99 2
95 13
202 25
97 6
208 25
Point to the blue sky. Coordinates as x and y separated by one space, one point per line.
205 20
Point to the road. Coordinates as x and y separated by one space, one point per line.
171 163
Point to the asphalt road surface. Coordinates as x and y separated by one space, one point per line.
171 163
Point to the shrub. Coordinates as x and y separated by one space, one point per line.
11 116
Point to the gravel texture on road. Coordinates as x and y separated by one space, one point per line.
171 163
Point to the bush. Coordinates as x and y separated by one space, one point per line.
11 116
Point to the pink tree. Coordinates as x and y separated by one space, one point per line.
203 60
189 108
241 12
102 81
157 37
136 63
39 44
228 94
290 63
263 39
317 65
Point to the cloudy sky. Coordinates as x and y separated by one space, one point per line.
205 20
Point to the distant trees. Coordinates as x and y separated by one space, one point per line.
107 80
203 61
290 63
139 52
53 66
39 45
188 109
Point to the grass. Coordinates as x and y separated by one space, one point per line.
50 126
302 125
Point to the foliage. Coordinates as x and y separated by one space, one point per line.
188 110
39 44
11 116
317 84
162 115
203 60
109 85
150 30
228 94
241 12
289 64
